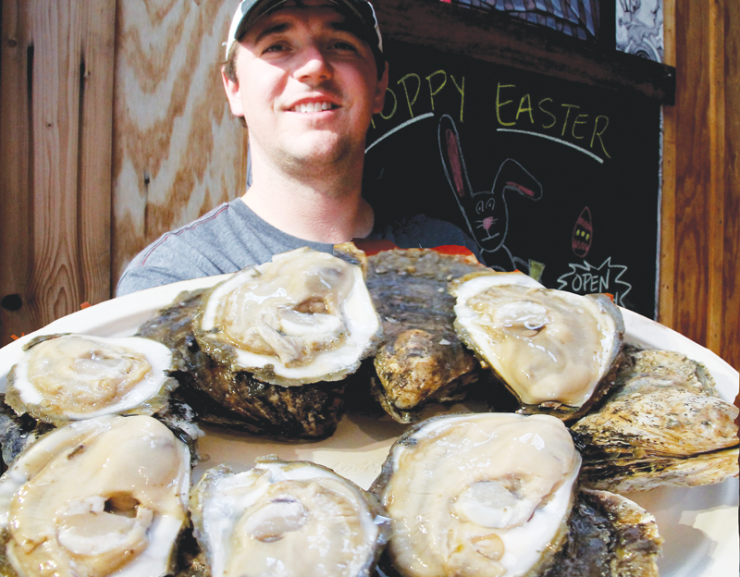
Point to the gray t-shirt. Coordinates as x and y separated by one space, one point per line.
232 236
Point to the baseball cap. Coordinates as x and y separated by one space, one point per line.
249 11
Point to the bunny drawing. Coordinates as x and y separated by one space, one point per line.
486 212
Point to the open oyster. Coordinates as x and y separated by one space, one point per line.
484 494
556 351
69 377
269 350
98 497
421 360
661 425
287 518
305 317
495 495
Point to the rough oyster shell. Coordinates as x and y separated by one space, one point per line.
661 425
69 377
303 318
238 400
556 351
609 536
421 360
287 518
484 494
98 496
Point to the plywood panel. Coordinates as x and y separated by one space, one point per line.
177 150
55 246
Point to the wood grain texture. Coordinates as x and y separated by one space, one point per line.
729 342
701 206
55 247
177 151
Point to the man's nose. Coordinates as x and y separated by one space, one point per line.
313 65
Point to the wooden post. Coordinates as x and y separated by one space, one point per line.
701 216
56 95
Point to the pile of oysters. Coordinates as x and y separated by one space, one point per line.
100 435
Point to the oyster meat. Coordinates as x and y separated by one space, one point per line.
286 518
496 495
421 360
556 351
315 310
661 425
97 497
485 494
305 317
69 377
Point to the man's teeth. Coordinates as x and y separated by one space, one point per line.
313 106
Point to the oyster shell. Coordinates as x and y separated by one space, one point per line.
421 359
556 351
287 518
237 400
97 497
485 494
303 318
609 536
69 377
495 495
660 425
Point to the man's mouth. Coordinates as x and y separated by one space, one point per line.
313 107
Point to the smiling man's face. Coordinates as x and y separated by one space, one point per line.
307 86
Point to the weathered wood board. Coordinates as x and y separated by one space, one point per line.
56 94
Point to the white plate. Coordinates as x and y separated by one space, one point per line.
699 525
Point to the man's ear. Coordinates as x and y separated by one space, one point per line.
233 93
379 97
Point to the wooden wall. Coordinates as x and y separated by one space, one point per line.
177 151
56 95
113 130
700 228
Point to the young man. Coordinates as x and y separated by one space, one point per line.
305 76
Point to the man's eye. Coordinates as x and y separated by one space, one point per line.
275 48
343 46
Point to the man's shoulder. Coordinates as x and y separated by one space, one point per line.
220 241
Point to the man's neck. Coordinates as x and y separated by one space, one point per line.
323 209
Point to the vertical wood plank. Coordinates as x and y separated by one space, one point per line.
56 196
16 148
96 149
693 167
53 289
667 269
178 152
730 297
701 234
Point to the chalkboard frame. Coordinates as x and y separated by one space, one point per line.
513 42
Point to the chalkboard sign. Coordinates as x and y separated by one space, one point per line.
557 179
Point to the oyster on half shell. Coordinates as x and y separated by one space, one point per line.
303 318
556 351
495 495
103 496
485 494
68 377
289 519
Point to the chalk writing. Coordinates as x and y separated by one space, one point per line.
411 87
514 110
587 279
